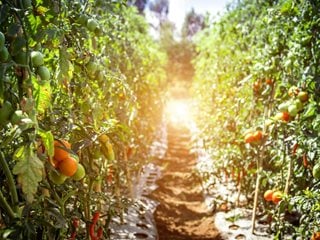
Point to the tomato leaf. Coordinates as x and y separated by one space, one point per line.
42 96
29 170
311 110
47 140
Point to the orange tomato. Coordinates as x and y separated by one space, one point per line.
283 116
256 86
249 138
315 236
68 166
103 138
277 197
269 81
268 195
293 91
61 150
294 148
253 137
305 160
130 152
258 135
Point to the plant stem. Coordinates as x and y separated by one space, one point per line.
259 170
6 207
12 185
286 189
256 194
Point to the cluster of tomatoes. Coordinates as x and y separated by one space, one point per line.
274 196
21 58
37 62
65 163
291 108
253 137
258 85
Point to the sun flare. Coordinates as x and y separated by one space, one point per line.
179 112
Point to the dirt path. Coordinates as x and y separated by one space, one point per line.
182 213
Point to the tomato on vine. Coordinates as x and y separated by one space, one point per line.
57 178
36 58
80 173
68 166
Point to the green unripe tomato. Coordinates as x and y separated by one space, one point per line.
80 173
316 171
91 68
21 58
283 107
4 54
57 178
293 111
303 96
92 24
82 20
299 105
2 40
36 58
44 73
5 112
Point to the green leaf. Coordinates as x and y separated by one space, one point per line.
19 153
42 96
311 110
65 67
55 217
47 140
29 170
6 232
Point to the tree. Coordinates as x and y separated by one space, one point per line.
140 4
193 23
161 9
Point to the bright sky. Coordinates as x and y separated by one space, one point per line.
178 8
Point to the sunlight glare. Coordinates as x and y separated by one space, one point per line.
178 112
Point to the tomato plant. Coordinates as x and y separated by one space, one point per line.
259 70
73 70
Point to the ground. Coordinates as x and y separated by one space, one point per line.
182 212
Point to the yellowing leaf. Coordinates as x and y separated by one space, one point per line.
29 170
42 95
41 10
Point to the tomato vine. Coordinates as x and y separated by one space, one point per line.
73 70
251 65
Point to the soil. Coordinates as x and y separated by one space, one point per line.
182 212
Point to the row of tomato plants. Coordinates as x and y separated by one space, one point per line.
257 86
80 86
